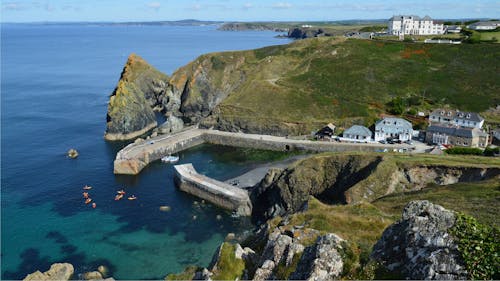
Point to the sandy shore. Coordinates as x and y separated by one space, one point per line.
254 176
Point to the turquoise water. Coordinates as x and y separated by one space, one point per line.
55 82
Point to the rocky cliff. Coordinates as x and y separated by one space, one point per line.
306 32
297 88
421 245
140 92
351 178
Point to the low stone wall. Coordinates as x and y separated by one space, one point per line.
216 192
285 144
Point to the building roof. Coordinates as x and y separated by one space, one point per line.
472 116
427 18
400 17
456 131
454 27
486 23
358 130
393 125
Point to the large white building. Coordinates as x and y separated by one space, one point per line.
414 25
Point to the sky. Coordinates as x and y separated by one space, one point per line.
239 10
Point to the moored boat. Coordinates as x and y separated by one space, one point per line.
132 197
118 197
170 159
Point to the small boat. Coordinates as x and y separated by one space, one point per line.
121 192
132 197
88 200
86 187
170 159
85 195
94 205
118 197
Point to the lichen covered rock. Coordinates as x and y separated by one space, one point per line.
140 90
420 246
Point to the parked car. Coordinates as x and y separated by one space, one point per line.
382 141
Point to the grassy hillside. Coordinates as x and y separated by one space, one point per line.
309 82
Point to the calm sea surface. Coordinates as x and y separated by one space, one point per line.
55 82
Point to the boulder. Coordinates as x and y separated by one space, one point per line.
72 153
103 270
57 271
93 275
419 246
321 261
172 125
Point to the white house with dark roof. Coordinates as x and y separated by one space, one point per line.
414 25
357 133
456 118
393 128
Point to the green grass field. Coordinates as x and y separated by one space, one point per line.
311 82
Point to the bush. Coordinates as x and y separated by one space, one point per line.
491 151
397 106
479 246
464 151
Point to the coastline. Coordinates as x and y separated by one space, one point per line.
129 136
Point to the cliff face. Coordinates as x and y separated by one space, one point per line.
352 178
141 90
206 82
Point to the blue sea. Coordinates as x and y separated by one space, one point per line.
55 84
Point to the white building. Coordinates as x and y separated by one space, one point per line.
456 118
484 25
414 25
393 128
358 133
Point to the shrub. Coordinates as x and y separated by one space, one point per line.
491 151
479 246
397 106
464 151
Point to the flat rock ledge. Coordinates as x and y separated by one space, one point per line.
419 246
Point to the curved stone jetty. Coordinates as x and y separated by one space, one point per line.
216 192
134 157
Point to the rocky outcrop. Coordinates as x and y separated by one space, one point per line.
306 32
57 272
420 245
206 82
326 177
321 261
352 178
141 90
282 253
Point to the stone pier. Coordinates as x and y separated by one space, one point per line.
216 192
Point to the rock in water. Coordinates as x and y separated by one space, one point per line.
103 270
419 246
93 275
130 110
57 271
72 153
